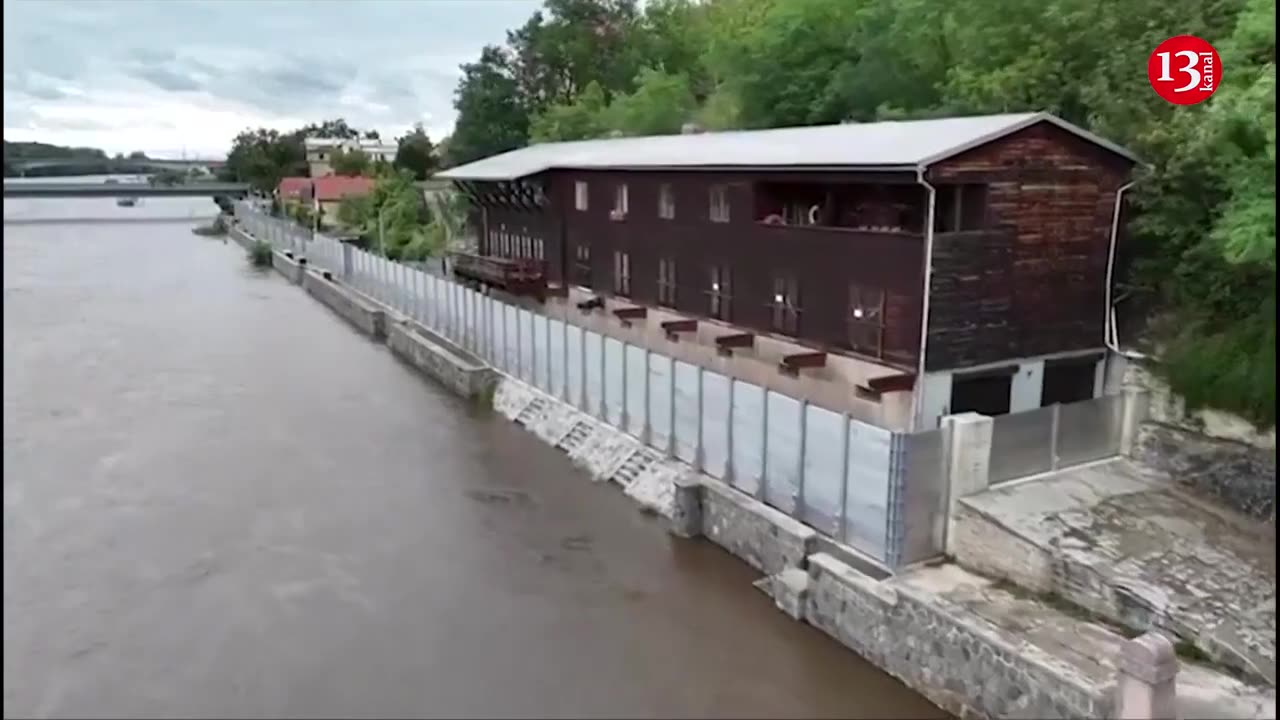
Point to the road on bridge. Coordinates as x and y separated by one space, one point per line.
221 501
86 190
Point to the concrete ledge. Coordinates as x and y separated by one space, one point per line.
289 267
767 539
240 235
441 360
365 316
957 660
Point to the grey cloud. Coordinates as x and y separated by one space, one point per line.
170 80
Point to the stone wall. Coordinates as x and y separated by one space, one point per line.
957 660
767 539
440 359
978 543
367 317
288 266
1239 476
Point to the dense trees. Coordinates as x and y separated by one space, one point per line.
416 154
1202 211
350 162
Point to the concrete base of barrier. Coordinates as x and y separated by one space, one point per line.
365 316
289 266
767 539
240 236
441 360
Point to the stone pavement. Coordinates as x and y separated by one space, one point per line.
1079 646
1121 542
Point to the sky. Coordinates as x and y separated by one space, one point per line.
180 78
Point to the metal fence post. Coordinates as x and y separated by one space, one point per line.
646 427
729 470
804 433
699 460
842 524
763 491
1053 436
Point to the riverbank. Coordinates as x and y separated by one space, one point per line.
973 646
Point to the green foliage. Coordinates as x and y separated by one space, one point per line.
491 115
661 103
260 254
580 119
350 162
416 154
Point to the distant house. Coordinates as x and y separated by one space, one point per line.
320 152
909 270
328 192
293 190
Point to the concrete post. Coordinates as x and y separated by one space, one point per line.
968 460
1136 401
1146 675
686 507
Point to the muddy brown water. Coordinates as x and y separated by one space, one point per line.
221 501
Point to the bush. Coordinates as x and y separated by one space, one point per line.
260 254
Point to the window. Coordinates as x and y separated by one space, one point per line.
582 264
666 202
960 207
720 293
866 320
785 304
667 282
580 195
719 211
1068 381
619 202
621 273
537 249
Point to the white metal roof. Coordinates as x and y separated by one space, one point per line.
893 145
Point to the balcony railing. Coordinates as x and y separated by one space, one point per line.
519 276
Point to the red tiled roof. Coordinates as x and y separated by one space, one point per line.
294 187
336 187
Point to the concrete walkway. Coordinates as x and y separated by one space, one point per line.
1118 541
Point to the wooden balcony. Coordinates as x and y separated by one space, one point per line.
519 277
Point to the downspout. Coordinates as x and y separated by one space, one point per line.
930 208
1110 334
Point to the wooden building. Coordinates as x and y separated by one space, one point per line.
963 263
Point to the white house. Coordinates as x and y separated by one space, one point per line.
320 151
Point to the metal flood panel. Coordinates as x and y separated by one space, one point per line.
867 478
782 457
660 405
748 436
1089 430
824 447
577 373
557 360
541 353
525 318
923 497
497 311
1021 444
686 412
511 329
614 382
716 421
595 384
636 375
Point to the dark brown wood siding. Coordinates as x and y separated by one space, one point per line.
824 260
1032 282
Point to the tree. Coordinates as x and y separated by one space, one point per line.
661 104
415 153
137 155
336 129
263 157
584 117
491 117
350 162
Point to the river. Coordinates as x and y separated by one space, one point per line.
221 501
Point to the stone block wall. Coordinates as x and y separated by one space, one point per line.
365 316
957 660
289 267
440 360
980 544
767 539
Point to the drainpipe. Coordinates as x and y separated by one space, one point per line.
1110 335
924 306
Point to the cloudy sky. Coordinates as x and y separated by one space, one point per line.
184 76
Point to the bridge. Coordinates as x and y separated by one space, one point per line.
69 190
26 164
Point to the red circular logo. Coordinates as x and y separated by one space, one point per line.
1184 70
